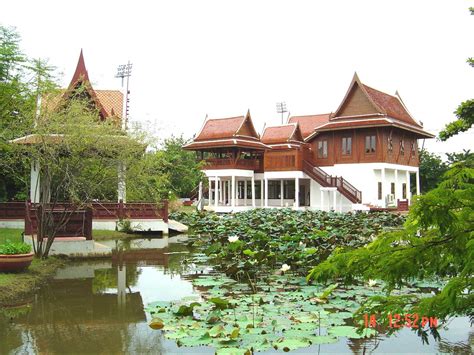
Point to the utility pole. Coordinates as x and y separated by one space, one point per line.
125 71
281 108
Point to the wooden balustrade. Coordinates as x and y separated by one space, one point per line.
229 163
100 210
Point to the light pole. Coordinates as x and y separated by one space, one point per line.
125 71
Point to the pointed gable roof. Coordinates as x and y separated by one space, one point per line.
309 123
81 79
236 131
230 127
282 134
362 100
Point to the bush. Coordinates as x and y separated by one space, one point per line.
10 248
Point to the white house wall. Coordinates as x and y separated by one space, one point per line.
365 176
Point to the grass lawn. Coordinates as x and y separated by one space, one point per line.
13 235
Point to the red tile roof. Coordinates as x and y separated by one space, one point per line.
371 122
392 105
282 134
224 143
310 122
220 128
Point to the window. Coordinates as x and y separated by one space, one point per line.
379 190
402 147
390 144
258 189
346 145
288 189
322 149
392 188
274 189
240 189
404 191
370 144
413 147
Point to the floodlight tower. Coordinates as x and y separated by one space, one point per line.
281 108
125 71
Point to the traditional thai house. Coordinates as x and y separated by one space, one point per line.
359 157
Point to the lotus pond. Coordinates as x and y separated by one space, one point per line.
224 289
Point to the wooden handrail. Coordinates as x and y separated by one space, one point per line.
326 180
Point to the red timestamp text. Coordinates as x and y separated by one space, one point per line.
396 321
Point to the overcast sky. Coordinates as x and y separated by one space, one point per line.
192 58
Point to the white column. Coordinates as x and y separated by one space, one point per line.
266 192
216 195
408 185
396 186
236 191
262 187
322 200
232 191
418 182
121 285
281 193
245 192
334 199
35 182
210 191
121 188
384 204
253 191
200 201
297 192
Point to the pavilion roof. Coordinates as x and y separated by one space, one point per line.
309 123
287 133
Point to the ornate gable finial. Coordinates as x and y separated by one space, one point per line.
80 75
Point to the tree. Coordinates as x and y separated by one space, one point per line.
464 113
21 82
437 242
77 155
432 169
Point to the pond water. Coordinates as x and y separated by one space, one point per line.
99 307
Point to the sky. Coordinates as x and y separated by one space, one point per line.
221 58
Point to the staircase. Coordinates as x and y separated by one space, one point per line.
326 180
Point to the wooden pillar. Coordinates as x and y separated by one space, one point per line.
281 193
253 191
297 192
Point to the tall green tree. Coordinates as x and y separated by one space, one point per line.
432 168
437 242
22 81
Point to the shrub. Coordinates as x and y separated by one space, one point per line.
10 248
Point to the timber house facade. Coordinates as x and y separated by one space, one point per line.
361 156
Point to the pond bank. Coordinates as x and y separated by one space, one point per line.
17 287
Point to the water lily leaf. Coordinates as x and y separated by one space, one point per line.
156 323
219 303
289 344
351 332
181 333
323 339
216 330
194 341
232 351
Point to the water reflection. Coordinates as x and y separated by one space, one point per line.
98 307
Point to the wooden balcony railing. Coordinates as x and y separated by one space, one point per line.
286 160
228 163
100 210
